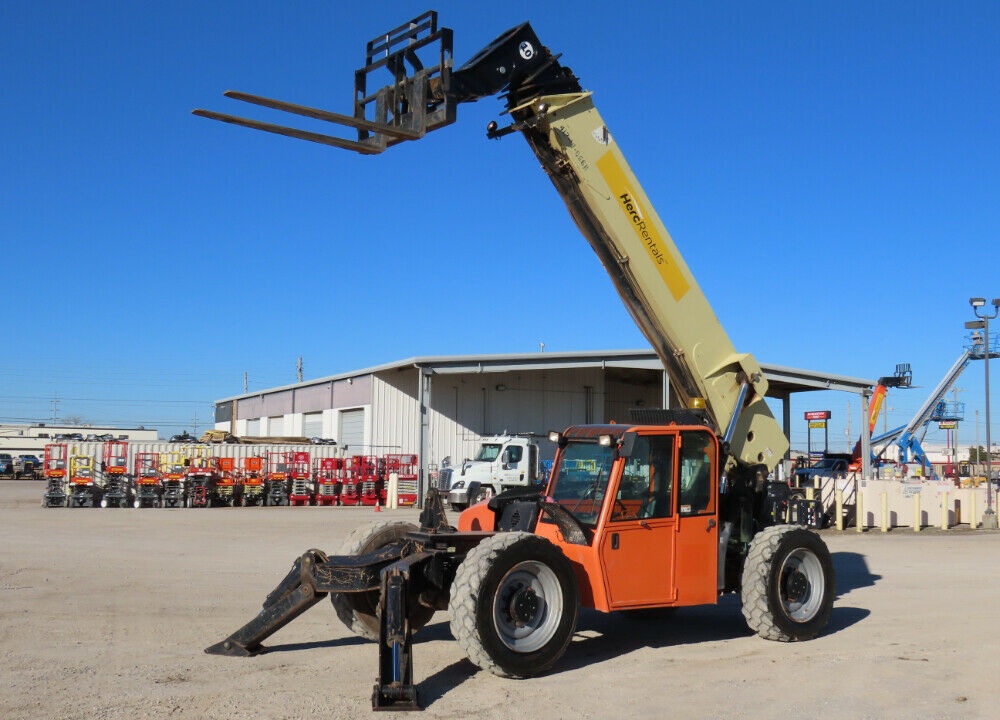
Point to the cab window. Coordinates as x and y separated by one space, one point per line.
644 491
697 483
514 454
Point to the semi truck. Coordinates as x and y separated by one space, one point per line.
503 462
667 511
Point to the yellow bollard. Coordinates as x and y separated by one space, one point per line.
916 513
840 509
944 510
859 510
972 510
885 512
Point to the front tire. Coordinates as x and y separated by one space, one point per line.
514 604
359 611
788 584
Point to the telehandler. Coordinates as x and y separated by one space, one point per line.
667 511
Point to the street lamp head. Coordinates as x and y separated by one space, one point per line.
977 302
996 303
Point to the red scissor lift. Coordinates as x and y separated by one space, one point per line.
202 479
55 469
370 479
146 469
114 468
302 491
276 481
227 492
252 479
350 492
405 467
329 477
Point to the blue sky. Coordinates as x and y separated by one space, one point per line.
829 170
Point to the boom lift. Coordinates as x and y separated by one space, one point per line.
666 513
909 437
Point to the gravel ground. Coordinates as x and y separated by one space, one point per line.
105 614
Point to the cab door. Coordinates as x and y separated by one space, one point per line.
636 547
510 465
659 545
697 547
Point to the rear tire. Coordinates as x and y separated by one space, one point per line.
514 604
788 584
359 611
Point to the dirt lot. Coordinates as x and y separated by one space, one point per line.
105 613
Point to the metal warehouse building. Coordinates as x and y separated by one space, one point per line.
437 407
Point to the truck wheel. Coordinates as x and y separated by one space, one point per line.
514 604
359 611
788 584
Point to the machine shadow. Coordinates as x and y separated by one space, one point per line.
332 643
852 572
602 637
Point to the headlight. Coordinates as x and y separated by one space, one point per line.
458 485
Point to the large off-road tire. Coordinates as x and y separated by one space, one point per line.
514 604
788 584
359 611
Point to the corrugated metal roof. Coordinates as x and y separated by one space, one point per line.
781 379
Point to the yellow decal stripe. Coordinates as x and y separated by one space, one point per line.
657 250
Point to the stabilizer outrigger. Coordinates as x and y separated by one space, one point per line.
386 576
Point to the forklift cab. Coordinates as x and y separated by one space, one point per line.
646 498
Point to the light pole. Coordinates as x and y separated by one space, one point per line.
990 516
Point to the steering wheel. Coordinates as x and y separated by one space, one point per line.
620 512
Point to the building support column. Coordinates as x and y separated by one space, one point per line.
866 438
423 402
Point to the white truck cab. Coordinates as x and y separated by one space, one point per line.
503 462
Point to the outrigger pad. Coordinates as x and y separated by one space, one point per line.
433 518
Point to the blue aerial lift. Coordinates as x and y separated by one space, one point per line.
908 438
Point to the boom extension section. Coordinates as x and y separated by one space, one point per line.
580 156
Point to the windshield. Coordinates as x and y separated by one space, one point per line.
581 479
488 452
826 464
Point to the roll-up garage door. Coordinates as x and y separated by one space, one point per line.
312 425
352 430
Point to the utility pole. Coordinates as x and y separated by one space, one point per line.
298 369
983 323
244 382
848 431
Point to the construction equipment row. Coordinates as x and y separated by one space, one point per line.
193 478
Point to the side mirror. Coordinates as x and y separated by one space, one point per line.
627 443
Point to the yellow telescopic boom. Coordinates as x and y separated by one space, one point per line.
581 157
